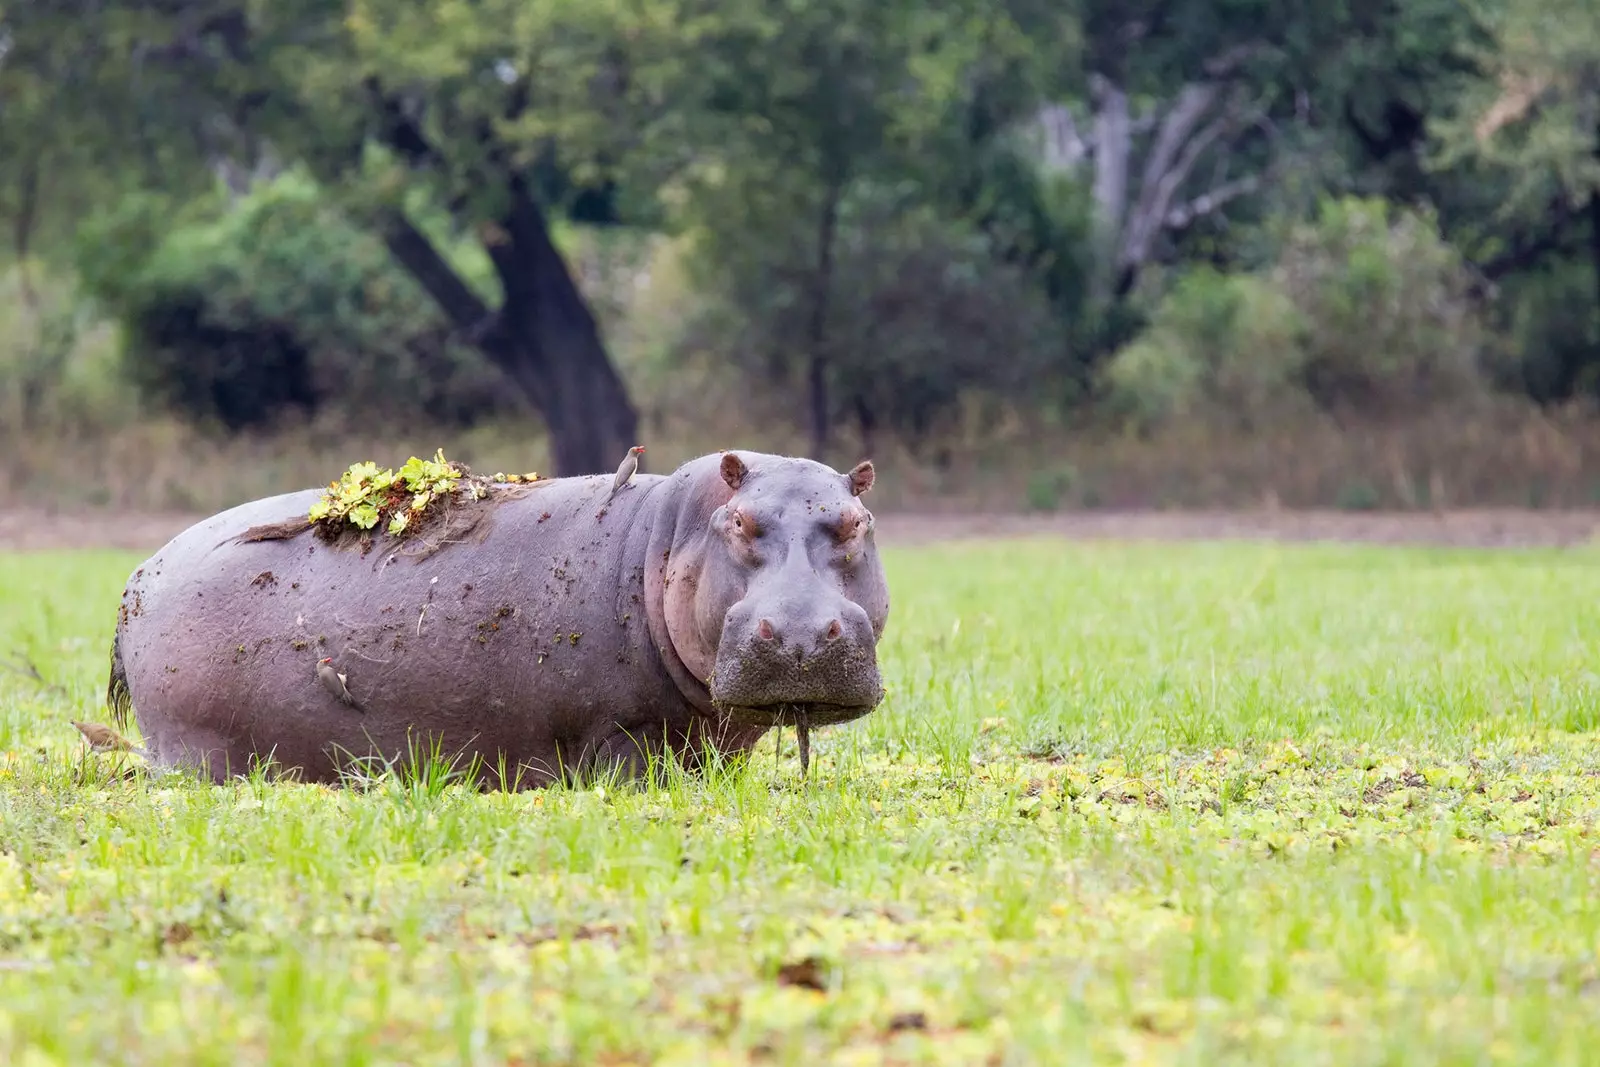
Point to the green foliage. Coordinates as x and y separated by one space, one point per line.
244 311
58 364
1390 323
918 313
1367 310
856 177
1533 112
1220 347
1042 224
366 496
1049 484
1552 337
1359 495
830 231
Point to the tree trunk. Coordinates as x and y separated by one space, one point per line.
817 332
550 344
543 337
817 404
1113 136
867 419
1594 242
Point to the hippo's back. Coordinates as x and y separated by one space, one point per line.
204 547
513 632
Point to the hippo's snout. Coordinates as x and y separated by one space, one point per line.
821 657
803 642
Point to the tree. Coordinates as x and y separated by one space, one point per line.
1533 118
503 112
827 119
1184 112
1525 134
1169 95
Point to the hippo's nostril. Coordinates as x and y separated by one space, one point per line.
765 631
833 631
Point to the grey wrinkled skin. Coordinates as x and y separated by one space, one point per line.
553 640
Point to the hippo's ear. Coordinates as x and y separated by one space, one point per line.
733 470
861 477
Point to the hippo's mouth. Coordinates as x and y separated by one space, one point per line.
770 685
794 713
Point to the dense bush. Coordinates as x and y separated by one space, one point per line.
1390 321
57 364
243 312
1366 309
917 314
1220 347
1552 335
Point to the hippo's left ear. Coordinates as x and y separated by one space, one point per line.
861 477
733 470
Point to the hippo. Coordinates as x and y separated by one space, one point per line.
557 637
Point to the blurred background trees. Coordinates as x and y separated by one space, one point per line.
903 226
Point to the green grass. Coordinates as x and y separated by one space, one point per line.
1191 804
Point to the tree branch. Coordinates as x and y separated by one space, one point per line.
1226 64
27 211
1525 251
1155 199
1065 145
1208 203
1112 136
411 247
1194 100
397 130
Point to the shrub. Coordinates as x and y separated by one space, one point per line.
1552 343
244 312
1219 347
919 316
57 365
1390 322
1366 309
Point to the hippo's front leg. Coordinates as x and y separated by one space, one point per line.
634 750
627 753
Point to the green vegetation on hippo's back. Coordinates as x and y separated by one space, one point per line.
366 496
1188 804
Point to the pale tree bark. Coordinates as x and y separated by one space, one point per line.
1133 211
817 327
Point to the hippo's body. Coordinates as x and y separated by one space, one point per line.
702 607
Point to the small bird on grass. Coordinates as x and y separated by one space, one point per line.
625 472
105 739
333 680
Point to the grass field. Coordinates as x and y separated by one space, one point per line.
1163 803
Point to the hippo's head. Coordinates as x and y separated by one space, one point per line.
776 603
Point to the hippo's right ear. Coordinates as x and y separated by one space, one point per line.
733 470
861 477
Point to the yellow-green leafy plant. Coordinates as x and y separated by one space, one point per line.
366 495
